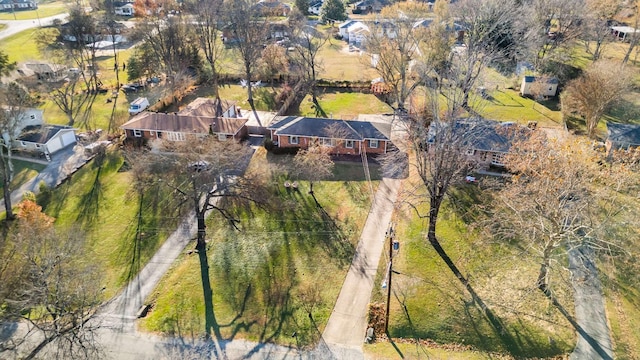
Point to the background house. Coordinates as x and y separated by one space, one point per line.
17 5
549 88
485 142
315 6
123 8
45 139
344 137
369 6
622 136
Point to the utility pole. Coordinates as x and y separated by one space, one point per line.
392 244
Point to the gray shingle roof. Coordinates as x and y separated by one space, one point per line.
626 134
40 134
484 135
331 128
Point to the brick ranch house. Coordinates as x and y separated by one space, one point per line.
345 137
176 127
485 142
202 117
622 136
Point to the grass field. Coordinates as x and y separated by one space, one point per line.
428 302
22 47
44 10
339 65
342 105
279 274
124 228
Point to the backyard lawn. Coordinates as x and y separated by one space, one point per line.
343 105
279 274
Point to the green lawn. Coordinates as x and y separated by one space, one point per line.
344 105
508 105
407 350
44 10
280 273
124 229
23 172
22 47
340 65
430 303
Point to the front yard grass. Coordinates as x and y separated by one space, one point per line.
124 227
428 301
22 46
279 274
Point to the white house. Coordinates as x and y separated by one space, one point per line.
315 6
123 8
45 139
342 28
357 33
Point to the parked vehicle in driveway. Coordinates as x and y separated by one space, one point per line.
138 105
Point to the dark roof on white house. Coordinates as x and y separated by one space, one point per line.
331 128
627 134
530 79
40 134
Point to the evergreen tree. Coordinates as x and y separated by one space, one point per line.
303 6
333 10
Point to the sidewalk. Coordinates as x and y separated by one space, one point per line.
346 328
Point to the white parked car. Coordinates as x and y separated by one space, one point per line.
138 105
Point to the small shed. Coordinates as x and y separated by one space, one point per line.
549 88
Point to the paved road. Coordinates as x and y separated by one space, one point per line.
594 340
16 26
345 331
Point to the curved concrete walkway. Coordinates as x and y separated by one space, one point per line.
16 26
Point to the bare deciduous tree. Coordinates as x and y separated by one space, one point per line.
314 163
308 41
593 93
249 31
595 29
563 196
13 102
394 45
50 288
207 30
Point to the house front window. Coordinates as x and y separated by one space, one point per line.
137 133
175 136
373 144
326 142
293 140
348 144
497 159
470 152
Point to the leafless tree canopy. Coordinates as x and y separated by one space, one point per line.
563 195
599 87
50 288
